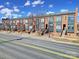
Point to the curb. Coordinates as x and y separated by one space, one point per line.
53 40
42 38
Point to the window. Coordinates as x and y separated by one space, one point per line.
68 27
72 27
17 21
31 22
51 24
42 20
26 24
71 23
26 21
30 27
21 21
58 24
37 24
42 23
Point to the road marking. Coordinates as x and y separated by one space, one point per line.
1 40
46 50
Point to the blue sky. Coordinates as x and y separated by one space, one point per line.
23 8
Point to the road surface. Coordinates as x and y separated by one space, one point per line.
29 48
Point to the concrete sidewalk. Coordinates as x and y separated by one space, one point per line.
65 40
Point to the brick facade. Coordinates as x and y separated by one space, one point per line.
32 22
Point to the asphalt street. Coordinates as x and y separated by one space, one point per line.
29 48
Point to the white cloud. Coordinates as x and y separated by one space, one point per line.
15 8
36 2
3 17
33 5
29 13
27 3
1 6
50 5
6 11
49 12
19 15
64 10
7 3
14 15
34 14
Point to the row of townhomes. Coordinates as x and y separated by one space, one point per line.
56 24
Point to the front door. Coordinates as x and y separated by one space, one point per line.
64 29
64 25
46 26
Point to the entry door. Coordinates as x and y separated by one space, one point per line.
64 25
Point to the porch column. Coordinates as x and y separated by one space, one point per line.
34 23
45 21
75 21
54 24
75 24
28 24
